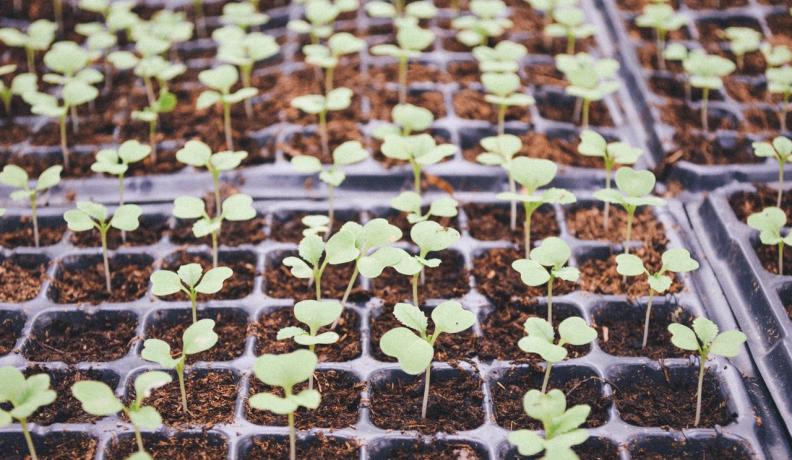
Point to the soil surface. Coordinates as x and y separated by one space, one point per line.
150 232
84 282
488 222
599 275
746 203
281 284
664 448
448 281
768 256
66 408
21 234
587 223
21 280
187 447
319 447
288 227
230 325
232 234
620 329
11 324
433 449
54 446
240 285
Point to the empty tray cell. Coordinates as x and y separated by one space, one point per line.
240 285
11 324
152 227
21 276
314 446
689 447
56 445
179 446
424 449
279 283
16 231
81 279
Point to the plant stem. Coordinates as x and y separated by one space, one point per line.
586 105
646 320
153 140
121 200
704 118
63 142
318 283
570 47
58 10
402 80
138 437
214 249
229 138
785 109
323 135
34 216
328 83
28 438
527 231
245 72
606 212
550 299
103 236
194 302
415 288
781 258
216 191
312 349
628 235
780 184
548 367
660 47
180 374
30 53
513 216
501 119
702 368
292 438
330 209
149 90
416 169
425 403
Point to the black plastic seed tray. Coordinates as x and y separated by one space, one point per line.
754 430
742 113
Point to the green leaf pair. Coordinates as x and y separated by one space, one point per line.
336 99
486 22
221 79
561 426
90 215
410 203
674 260
190 279
348 153
315 314
705 339
25 395
285 371
99 399
547 262
116 161
237 207
541 338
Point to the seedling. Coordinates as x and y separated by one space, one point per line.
327 57
499 151
237 207
779 81
16 177
663 19
25 396
346 154
429 236
89 215
541 340
485 22
402 15
339 249
561 426
743 40
70 62
98 399
286 371
98 41
502 58
419 150
191 280
705 339
545 265
315 224
20 84
38 37
411 40
315 314
770 221
165 103
149 65
220 80
503 92
116 162
592 144
548 7
317 104
199 155
590 79
410 203
780 150
634 188
415 351
674 261
531 174
320 16
706 71
243 15
775 55
570 22
197 338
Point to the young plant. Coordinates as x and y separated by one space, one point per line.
779 81
500 151
545 265
197 338
339 249
504 57
486 22
705 339
327 57
191 280
532 173
20 84
98 399
165 103
548 7
315 224
410 41
663 19
541 340
634 188
199 155
781 151
220 79
706 72
410 203
592 144
38 37
430 237
590 79
116 162
415 351
570 22
402 15
148 63
775 55
16 177
69 62
561 426
770 222
346 154
286 371
21 397
674 261
743 40
503 91
89 215
243 15
320 16
319 105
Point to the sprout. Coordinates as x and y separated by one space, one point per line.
483 24
348 153
411 40
561 426
20 84
237 207
242 15
590 79
191 280
634 188
197 338
310 264
116 162
410 202
25 396
199 155
165 103
150 65
502 58
220 79
286 371
705 339
315 224
403 15
89 215
317 104
663 19
706 71
415 351
780 150
770 221
743 40
429 236
16 177
540 339
98 399
320 15
504 91
38 37
327 57
548 7
532 173
553 253
570 22
98 40
779 81
776 55
592 144
499 151
674 261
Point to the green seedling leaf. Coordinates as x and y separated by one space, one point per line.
561 426
25 395
96 398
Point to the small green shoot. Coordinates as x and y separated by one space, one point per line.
500 151
221 79
17 178
663 19
315 255
706 72
570 22
770 222
38 37
419 150
319 105
116 162
165 103
779 81
191 280
486 22
410 203
25 396
503 91
328 57
430 237
243 15
320 15
21 83
781 151
504 57
743 40
590 80
410 41
199 155
402 15
547 263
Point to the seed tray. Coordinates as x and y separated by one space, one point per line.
271 134
740 120
736 378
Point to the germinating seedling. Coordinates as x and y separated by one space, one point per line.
17 178
410 41
592 144
286 371
339 249
781 151
243 15
410 203
21 397
548 7
320 16
98 399
590 79
199 155
504 57
486 22
705 339
315 224
38 37
541 340
328 57
346 154
663 19
531 174
89 215
570 22
149 65
20 84
706 72
415 351
402 15
430 237
165 103
503 91
545 265
779 81
499 151
116 162
743 40
197 338
674 261
634 188
770 222
191 280
70 62
775 55
561 426
221 79
319 105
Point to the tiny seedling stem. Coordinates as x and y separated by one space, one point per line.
312 349
153 140
425 403
74 119
702 369
245 71
227 126
216 191
628 231
149 90
214 248
501 119
349 287
704 118
323 136
138 437
402 80
780 184
550 299
63 142
646 320
103 235
28 438
30 53
180 375
527 230
416 169
570 47
586 106
546 380
58 9
34 216
785 109
415 289
292 438
781 258
399 7
193 301
328 84
513 216
330 210
6 102
606 211
121 200
661 33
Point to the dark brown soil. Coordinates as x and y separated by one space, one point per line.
455 403
746 203
682 117
558 107
21 234
281 284
620 330
11 324
233 233
318 447
399 219
309 143
707 149
690 449
558 148
431 449
76 337
768 256
186 447
448 281
85 282
230 325
288 228
599 275
464 72
382 102
416 72
489 222
586 223
66 408
54 446
470 104
149 233
21 280
239 285
339 408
